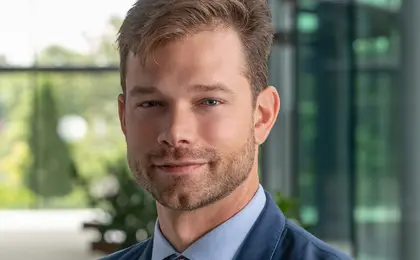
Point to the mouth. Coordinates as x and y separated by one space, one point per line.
179 168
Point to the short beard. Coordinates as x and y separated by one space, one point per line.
226 173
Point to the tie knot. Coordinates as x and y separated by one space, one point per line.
176 257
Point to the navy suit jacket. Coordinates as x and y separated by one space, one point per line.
272 237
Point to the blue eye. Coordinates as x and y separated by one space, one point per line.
211 102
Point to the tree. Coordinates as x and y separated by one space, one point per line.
51 170
91 96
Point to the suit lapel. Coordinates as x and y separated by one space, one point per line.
262 240
147 252
264 237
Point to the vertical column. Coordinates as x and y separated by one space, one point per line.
332 70
279 152
410 130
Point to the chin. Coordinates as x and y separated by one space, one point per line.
177 198
179 204
187 200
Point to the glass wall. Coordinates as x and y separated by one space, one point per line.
82 107
348 53
58 89
324 87
377 52
46 32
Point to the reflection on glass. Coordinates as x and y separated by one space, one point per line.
325 55
377 48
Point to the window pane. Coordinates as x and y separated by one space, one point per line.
13 148
48 32
81 123
324 83
381 3
377 50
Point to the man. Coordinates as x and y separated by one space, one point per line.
195 107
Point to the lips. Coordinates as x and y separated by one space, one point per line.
185 167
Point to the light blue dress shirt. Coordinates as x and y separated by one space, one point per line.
223 242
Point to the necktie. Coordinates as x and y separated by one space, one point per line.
175 257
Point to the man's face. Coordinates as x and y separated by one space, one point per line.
188 120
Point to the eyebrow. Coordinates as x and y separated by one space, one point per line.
142 90
147 90
211 88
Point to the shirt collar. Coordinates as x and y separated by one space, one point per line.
222 242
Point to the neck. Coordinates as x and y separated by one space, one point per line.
183 228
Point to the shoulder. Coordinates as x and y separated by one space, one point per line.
130 253
299 242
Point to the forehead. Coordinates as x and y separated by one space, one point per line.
208 56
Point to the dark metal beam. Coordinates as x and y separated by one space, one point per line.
409 129
62 69
352 124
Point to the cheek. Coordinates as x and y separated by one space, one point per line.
225 131
140 132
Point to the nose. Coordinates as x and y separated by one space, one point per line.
178 128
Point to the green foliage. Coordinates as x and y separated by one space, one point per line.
60 56
51 169
131 208
90 96
290 208
12 193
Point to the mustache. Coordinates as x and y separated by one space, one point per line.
179 153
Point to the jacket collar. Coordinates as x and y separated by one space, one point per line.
264 237
262 240
147 252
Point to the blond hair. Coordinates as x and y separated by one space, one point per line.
151 23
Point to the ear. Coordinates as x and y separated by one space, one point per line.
267 108
121 112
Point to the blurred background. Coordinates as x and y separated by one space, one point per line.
343 158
